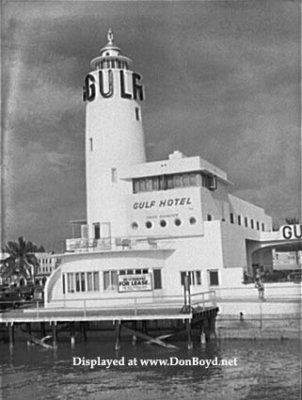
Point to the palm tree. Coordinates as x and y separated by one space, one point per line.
21 260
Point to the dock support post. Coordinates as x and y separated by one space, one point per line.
54 335
28 330
144 327
43 330
83 330
11 334
72 334
189 335
206 328
117 335
134 337
201 333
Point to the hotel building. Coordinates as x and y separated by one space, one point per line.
149 223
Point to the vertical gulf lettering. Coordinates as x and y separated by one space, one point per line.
89 88
124 94
109 92
138 90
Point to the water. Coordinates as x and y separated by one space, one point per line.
265 370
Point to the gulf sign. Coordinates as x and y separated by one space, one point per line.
105 83
134 283
291 232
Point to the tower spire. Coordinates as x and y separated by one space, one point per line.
110 37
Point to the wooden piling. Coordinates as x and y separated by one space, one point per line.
134 337
43 330
189 335
72 334
84 330
117 335
28 331
11 335
145 327
54 335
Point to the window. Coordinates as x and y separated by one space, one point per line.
134 225
252 223
262 227
135 184
239 220
70 283
194 277
186 180
113 175
209 217
211 182
110 280
157 279
149 184
96 281
148 225
232 218
83 282
177 181
258 225
91 144
97 230
89 282
137 114
213 277
193 180
246 222
177 222
192 220
163 223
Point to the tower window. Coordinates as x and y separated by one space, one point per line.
231 218
209 217
137 114
113 175
91 144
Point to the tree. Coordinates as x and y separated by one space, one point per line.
21 260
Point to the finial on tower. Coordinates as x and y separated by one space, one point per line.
110 36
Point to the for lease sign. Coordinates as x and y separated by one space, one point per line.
134 283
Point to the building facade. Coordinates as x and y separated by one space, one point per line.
149 223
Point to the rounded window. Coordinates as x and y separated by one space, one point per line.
177 222
134 225
193 221
163 223
149 225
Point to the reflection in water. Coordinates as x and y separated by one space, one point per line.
265 370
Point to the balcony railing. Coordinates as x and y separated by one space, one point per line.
116 244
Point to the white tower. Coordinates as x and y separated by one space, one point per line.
114 138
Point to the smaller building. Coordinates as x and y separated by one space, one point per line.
47 264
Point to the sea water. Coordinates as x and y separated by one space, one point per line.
231 370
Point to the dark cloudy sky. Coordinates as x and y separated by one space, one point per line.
222 80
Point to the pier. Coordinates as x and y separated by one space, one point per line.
181 314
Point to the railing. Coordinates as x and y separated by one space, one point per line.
206 298
112 306
120 243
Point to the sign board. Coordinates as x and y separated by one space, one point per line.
134 283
